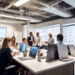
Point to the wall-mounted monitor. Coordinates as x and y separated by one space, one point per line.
43 32
69 33
3 32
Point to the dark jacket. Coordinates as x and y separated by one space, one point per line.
28 39
5 57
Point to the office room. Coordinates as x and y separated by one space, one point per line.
37 37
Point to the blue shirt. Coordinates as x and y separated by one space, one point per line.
60 42
51 40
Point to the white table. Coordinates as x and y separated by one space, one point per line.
39 67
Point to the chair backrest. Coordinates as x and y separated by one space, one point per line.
62 51
45 46
71 49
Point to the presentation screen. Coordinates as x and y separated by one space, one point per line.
43 32
69 34
3 32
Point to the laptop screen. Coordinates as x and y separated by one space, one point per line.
72 50
24 48
51 53
21 45
33 52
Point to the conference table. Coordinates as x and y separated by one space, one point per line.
55 67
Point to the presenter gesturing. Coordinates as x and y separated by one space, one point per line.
51 40
38 40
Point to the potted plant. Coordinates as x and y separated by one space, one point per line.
39 56
24 54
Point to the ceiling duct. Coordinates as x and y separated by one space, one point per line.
70 2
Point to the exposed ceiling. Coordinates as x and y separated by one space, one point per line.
36 11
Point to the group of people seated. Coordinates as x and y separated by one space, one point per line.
6 53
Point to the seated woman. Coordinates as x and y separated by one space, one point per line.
24 40
6 57
13 42
60 39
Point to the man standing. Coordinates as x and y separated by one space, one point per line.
30 39
51 40
38 40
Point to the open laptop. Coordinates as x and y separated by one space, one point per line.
21 46
63 53
51 53
71 50
24 48
32 54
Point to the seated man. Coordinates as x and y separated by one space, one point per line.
60 39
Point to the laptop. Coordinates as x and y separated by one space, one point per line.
18 46
32 54
71 50
24 48
51 53
21 45
63 53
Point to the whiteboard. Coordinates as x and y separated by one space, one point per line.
3 32
43 32
18 36
69 34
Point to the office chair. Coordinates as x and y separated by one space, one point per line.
8 70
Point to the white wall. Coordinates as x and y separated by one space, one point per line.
27 29
11 28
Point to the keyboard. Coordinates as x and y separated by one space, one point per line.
25 58
66 59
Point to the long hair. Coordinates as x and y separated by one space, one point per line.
14 38
13 42
5 42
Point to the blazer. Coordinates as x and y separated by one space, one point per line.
28 40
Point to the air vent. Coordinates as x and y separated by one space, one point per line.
70 2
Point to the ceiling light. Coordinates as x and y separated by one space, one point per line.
20 2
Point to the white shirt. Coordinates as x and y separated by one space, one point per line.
38 41
31 37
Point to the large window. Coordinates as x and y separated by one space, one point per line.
69 33
3 32
54 29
